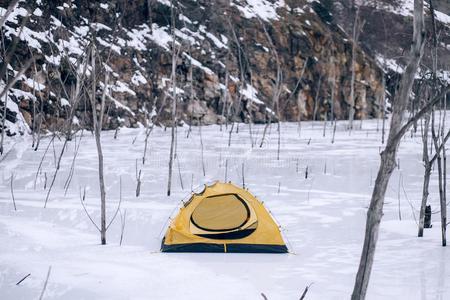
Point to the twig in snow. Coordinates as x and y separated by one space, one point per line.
45 283
265 131
54 152
310 188
250 130
148 131
302 297
201 144
25 277
279 140
122 227
179 173
229 134
12 191
243 175
226 170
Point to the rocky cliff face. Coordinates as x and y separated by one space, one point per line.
226 66
387 32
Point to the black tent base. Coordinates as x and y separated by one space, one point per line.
221 248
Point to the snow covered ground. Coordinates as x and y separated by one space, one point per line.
322 217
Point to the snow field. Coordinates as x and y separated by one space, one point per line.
322 217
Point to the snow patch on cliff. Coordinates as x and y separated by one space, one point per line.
389 64
198 64
138 78
262 9
250 93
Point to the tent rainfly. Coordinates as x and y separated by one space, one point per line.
223 218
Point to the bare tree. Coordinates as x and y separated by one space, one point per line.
4 93
383 107
316 99
439 141
357 27
174 99
97 119
277 85
7 56
333 93
441 160
388 155
225 94
201 147
299 119
75 97
441 184
240 57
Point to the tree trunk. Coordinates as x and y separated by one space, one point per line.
98 121
442 200
174 99
436 137
102 186
383 107
352 80
388 157
333 90
426 176
425 193
316 100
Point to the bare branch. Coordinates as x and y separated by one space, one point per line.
42 160
419 114
85 210
118 206
9 10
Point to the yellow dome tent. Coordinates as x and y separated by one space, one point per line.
223 218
